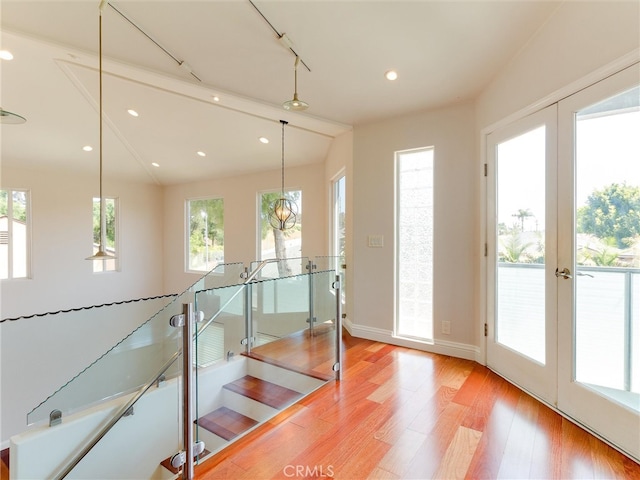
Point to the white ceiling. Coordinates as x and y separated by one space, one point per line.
444 51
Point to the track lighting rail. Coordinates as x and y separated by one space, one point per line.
281 36
181 63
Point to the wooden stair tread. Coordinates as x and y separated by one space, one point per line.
4 464
292 368
166 463
226 423
263 391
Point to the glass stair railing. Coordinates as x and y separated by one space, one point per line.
120 416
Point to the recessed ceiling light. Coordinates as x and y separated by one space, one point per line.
263 140
202 154
391 74
6 55
132 112
216 98
87 148
155 164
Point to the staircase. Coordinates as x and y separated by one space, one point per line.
245 401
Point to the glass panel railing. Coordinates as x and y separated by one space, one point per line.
282 268
222 275
133 410
259 330
337 263
112 373
295 315
144 341
223 329
238 382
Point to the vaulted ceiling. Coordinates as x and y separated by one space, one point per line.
234 77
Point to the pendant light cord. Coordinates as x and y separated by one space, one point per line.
283 122
102 206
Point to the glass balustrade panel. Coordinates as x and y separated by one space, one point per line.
222 331
282 311
278 268
126 364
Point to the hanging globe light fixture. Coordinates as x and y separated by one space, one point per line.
283 212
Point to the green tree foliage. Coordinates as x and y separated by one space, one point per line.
110 222
602 254
206 215
613 212
19 205
514 249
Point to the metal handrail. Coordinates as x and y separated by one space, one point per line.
243 285
115 419
123 410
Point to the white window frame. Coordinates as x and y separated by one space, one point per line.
398 331
10 244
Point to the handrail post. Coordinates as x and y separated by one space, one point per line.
338 367
248 316
312 317
187 379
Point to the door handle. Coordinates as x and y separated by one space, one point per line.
564 273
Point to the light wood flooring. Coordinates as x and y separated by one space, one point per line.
404 414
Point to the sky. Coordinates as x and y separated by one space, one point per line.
607 151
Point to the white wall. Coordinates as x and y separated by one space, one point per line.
39 354
580 38
240 216
340 161
62 236
456 232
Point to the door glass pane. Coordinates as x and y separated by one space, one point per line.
520 292
414 287
608 245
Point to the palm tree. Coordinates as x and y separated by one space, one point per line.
522 214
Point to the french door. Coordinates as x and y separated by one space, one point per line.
522 326
564 256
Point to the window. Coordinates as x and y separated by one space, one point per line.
414 243
205 234
110 234
280 244
14 234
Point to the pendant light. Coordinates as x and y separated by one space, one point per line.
295 103
7 117
283 212
101 254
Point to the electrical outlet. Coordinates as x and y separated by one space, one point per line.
446 327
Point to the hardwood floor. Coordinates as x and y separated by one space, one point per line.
404 414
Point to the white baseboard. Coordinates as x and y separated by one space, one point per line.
442 347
